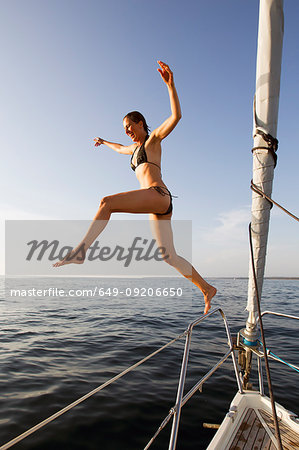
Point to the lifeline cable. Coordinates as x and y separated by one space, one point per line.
277 358
277 432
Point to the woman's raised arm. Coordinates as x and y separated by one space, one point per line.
163 130
125 149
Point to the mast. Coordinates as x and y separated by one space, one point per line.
266 102
265 116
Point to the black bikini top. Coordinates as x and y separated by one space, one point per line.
141 157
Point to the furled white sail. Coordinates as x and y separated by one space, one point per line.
270 37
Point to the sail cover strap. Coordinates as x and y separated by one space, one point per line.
272 144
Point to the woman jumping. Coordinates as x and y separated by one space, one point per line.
153 197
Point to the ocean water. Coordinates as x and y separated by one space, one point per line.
55 348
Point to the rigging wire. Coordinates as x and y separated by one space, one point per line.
256 189
277 431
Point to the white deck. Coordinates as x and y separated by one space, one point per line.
249 426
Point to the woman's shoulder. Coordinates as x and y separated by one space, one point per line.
153 139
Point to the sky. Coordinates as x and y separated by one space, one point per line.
71 70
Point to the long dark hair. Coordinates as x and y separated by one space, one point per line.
136 116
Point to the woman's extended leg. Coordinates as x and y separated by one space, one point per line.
141 201
162 230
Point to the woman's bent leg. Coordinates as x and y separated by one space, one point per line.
162 231
141 201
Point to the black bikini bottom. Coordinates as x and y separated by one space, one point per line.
163 191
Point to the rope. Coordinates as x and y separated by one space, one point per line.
277 432
269 352
86 396
259 191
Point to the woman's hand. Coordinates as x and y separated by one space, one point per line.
169 124
98 141
166 73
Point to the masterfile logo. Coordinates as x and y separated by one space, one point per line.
53 251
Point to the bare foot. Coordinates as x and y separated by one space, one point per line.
76 256
211 292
